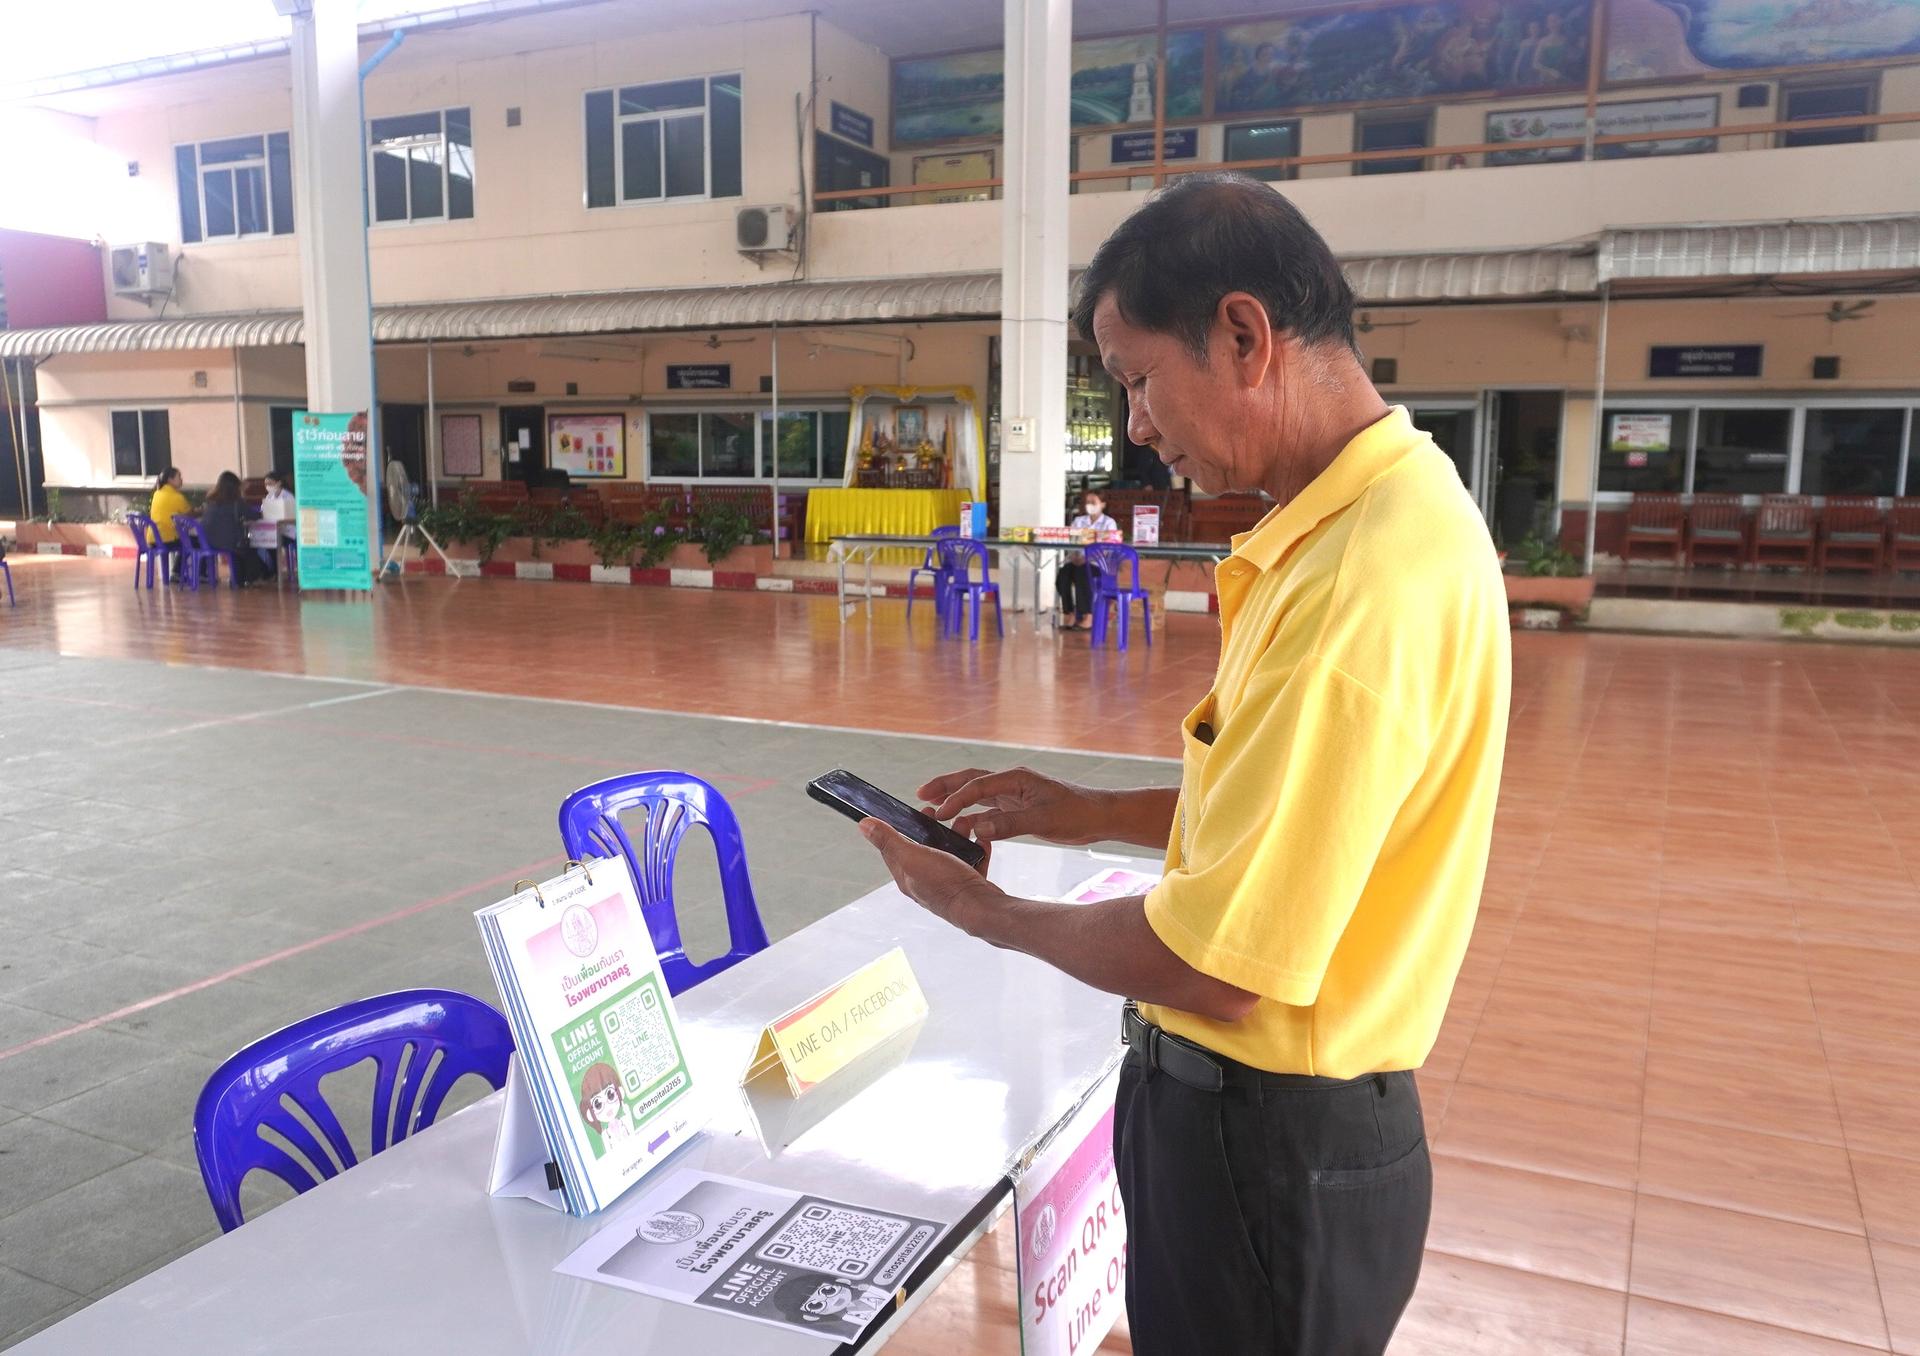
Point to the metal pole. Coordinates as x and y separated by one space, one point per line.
773 344
433 437
1599 424
19 448
239 421
1160 101
1596 58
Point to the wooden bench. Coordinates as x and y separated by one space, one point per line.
1716 530
1784 531
1223 516
1853 534
1903 535
1658 521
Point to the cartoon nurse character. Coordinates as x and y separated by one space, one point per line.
601 1104
809 1297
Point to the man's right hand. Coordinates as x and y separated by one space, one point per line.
1020 802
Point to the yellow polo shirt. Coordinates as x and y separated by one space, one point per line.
168 501
1331 839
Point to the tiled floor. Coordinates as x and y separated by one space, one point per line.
1676 1104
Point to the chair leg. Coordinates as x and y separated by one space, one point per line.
973 632
6 570
912 577
999 627
1099 636
1146 617
1120 606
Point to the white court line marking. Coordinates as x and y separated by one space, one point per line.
649 710
268 714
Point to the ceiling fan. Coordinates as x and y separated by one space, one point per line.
1366 324
715 341
1841 310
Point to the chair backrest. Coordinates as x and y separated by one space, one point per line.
1114 561
188 527
957 555
421 1040
146 536
1852 513
1654 510
1784 515
933 560
1717 511
1906 517
673 803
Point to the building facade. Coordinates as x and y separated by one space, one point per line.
1621 230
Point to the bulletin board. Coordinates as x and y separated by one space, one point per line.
588 445
460 452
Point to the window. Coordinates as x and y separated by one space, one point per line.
1850 450
235 187
813 444
738 445
1804 102
676 140
838 165
1265 141
1646 450
1390 132
422 166
1742 451
142 448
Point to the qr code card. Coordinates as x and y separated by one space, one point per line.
841 1240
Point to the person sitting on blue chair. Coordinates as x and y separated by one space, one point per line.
224 524
1074 582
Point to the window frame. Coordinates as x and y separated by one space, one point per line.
445 214
149 470
1866 80
263 162
1907 472
622 120
764 447
1378 116
1293 125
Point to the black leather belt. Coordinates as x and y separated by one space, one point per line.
1176 1057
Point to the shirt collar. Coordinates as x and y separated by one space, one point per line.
1374 451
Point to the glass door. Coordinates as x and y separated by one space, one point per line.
1454 426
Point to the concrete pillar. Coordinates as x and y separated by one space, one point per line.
1033 263
330 224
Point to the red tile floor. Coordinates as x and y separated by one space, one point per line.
1676 1103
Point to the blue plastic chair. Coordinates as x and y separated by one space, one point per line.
150 549
931 565
248 1092
674 802
6 573
957 555
200 561
1113 565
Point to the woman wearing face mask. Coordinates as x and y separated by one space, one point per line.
1075 580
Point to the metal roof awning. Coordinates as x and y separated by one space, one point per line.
1646 254
1765 249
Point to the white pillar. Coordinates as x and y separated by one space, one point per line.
1033 262
330 224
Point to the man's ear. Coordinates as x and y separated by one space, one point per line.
1250 343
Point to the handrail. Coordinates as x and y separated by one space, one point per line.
1146 170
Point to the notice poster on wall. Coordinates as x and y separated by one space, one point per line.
330 470
588 445
460 453
1641 433
804 1263
1644 117
1072 1233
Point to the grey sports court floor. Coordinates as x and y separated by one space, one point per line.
190 858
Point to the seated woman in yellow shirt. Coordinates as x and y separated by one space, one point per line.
167 501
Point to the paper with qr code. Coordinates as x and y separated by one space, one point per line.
762 1252
1113 883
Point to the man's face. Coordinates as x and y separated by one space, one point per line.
1192 414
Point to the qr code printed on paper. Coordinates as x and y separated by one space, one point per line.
641 1041
840 1240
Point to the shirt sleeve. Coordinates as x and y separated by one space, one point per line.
1297 795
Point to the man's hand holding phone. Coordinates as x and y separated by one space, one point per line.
1019 802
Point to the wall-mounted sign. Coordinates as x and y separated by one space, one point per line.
1183 143
1518 127
699 376
587 444
1701 360
854 126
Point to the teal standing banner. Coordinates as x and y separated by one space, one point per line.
330 492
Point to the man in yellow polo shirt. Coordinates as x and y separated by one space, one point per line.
1327 844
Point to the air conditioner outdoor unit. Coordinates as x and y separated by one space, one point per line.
757 229
142 270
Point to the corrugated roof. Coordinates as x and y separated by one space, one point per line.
1764 249
1780 248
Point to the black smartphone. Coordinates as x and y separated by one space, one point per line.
858 799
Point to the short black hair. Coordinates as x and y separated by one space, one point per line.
1203 236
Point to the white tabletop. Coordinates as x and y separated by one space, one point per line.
406 1252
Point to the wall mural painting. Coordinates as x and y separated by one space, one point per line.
1656 39
1402 52
948 98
